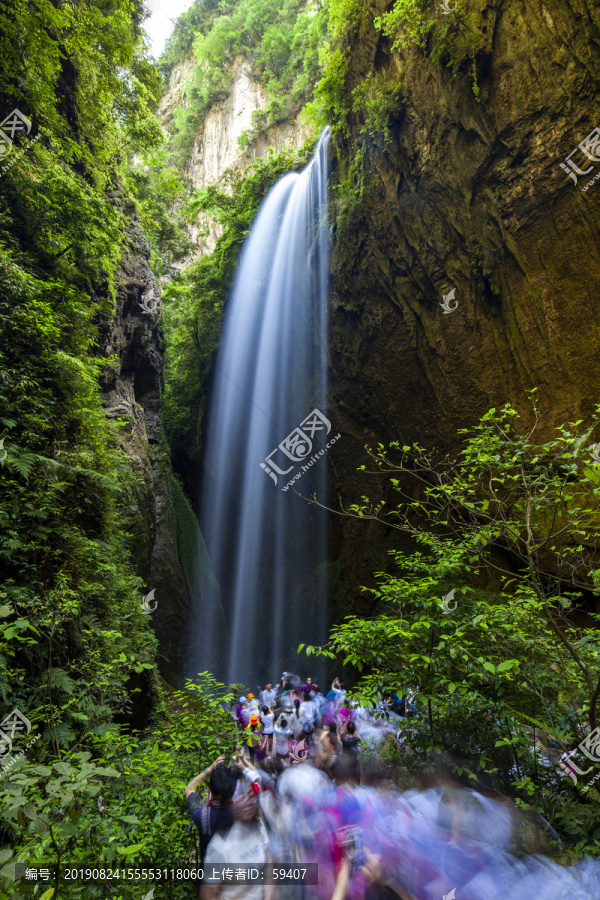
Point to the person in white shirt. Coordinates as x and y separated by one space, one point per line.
307 710
267 696
246 843
282 738
267 718
294 721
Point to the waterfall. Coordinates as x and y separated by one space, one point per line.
267 424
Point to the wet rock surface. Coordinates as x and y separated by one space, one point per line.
467 195
132 391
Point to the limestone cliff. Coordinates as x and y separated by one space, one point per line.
132 390
467 194
216 149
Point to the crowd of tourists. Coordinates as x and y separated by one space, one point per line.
292 795
290 723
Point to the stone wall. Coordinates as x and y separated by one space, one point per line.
467 195
132 396
216 149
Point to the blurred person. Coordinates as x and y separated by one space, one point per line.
346 770
333 701
349 736
293 719
239 711
307 709
286 682
267 695
381 884
216 814
282 737
303 749
247 843
329 747
341 881
350 740
337 687
319 700
286 699
252 704
399 702
253 737
267 718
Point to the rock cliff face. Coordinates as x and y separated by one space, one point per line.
469 196
132 397
464 194
216 148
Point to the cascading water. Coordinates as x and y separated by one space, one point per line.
267 424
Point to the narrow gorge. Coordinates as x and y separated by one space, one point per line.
298 387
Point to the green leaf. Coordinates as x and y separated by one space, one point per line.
131 850
505 666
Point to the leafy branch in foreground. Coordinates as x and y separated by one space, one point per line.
492 605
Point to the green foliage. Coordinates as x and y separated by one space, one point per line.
364 108
333 102
194 304
279 41
409 21
178 46
160 191
453 39
74 644
81 75
117 804
508 534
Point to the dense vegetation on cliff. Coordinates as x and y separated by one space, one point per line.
68 584
79 99
86 156
279 41
282 47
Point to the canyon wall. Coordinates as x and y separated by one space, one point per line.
467 194
132 396
215 148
